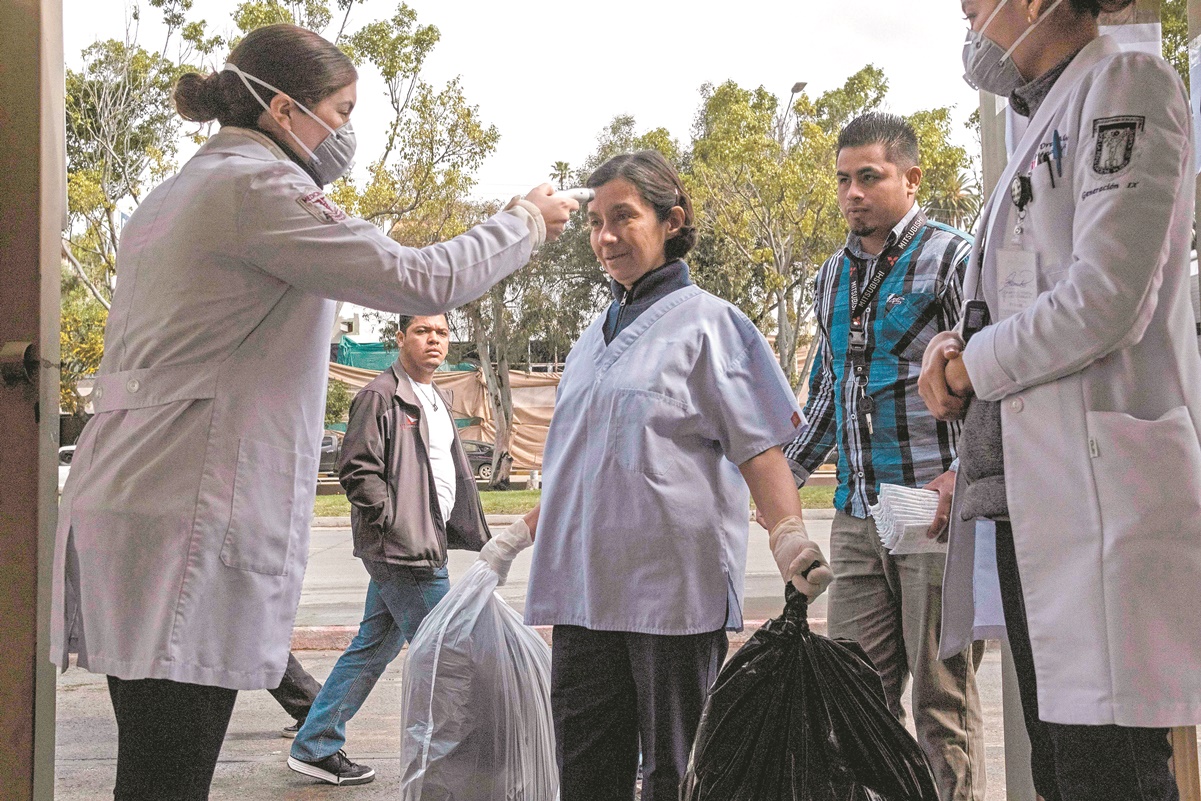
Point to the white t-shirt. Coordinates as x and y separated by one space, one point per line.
442 439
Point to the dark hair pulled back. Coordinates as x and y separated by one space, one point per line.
659 185
301 63
1095 7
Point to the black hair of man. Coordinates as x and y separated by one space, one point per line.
403 322
895 133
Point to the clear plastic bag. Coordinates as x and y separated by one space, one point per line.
794 716
475 702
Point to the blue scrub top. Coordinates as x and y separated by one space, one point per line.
644 512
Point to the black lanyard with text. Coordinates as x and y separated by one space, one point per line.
860 303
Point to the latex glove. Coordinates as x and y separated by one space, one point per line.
795 554
500 551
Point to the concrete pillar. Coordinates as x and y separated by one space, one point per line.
33 165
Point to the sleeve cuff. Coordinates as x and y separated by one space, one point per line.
990 381
528 213
799 474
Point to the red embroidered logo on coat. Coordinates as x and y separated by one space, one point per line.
796 420
321 207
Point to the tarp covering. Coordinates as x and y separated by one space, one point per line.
533 403
367 355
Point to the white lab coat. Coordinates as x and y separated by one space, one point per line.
644 511
184 526
1100 380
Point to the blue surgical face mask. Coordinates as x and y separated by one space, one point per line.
334 157
986 65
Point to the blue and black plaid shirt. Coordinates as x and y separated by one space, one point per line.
921 296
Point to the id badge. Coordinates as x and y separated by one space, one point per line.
1017 281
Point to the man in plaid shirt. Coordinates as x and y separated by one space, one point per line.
879 301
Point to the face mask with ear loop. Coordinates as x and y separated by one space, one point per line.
334 157
988 67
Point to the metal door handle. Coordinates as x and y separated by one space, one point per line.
19 363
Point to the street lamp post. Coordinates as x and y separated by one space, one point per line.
797 88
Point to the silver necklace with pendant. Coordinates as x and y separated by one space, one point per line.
432 397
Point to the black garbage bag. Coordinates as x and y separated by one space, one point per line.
795 716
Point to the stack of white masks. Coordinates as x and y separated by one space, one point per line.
903 516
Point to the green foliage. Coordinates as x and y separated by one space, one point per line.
949 192
121 137
560 174
337 402
518 502
761 175
81 338
1175 35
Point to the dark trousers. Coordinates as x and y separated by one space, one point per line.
168 738
1078 763
612 691
296 690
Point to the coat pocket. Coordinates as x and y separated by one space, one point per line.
640 430
1148 475
260 527
907 327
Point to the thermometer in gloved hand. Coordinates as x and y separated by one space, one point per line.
579 194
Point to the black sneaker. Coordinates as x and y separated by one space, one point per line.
335 769
291 731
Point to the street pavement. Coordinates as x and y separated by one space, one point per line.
252 764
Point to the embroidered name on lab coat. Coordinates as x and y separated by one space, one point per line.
321 207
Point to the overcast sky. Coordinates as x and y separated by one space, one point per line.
550 76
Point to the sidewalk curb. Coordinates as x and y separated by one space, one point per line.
504 520
337 638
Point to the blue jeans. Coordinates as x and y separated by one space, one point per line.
398 599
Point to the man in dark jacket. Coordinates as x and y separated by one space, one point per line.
412 497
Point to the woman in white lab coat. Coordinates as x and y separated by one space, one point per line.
1082 260
185 521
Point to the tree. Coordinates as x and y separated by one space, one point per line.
122 136
766 204
417 187
81 337
560 172
949 190
337 402
1175 36
762 178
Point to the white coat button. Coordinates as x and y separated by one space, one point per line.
860 474
1016 405
98 393
132 385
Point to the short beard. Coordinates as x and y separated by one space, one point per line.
863 231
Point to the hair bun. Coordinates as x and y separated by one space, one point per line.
198 98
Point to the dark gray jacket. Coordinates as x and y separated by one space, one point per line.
384 468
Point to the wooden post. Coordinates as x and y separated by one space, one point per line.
1184 762
32 161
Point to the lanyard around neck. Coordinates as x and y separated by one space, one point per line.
884 264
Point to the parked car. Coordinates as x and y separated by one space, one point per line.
65 454
479 454
331 447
